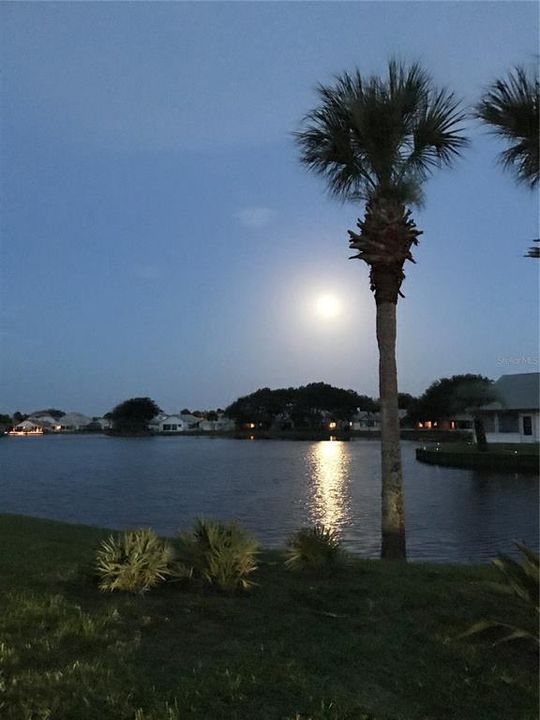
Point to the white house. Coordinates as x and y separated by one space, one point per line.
47 422
366 420
515 416
71 422
104 423
222 424
27 427
184 422
191 421
163 423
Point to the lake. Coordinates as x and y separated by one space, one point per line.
270 487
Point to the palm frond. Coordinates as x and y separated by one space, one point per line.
383 135
533 251
521 579
314 547
510 106
133 561
219 554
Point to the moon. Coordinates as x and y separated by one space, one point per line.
328 307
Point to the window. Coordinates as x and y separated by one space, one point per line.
508 422
527 425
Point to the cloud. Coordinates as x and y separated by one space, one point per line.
254 217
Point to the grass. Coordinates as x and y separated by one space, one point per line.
372 641
498 448
504 457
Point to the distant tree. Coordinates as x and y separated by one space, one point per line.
132 416
367 403
185 411
18 417
260 407
5 420
405 401
451 396
212 416
315 400
306 406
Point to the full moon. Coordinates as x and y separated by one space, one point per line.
328 307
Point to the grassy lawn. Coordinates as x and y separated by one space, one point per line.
500 448
373 641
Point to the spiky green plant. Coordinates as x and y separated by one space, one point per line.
220 554
314 547
133 561
521 579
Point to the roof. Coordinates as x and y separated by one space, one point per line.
74 418
517 392
43 419
26 425
190 418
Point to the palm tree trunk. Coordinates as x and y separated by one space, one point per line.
480 434
393 518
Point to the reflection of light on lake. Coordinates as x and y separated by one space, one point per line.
330 464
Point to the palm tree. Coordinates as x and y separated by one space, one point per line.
510 107
377 140
534 251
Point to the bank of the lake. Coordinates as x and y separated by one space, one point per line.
517 458
375 641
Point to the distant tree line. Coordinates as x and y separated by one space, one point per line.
309 406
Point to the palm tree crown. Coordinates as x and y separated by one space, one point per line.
381 136
378 140
510 108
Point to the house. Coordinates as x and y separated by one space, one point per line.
47 422
99 424
191 421
73 422
164 423
27 427
459 421
185 422
222 424
366 420
515 416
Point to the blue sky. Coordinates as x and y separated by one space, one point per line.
160 238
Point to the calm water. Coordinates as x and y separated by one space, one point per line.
270 487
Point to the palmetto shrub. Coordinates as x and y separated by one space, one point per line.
315 548
133 561
521 579
220 554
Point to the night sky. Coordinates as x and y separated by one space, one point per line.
160 238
